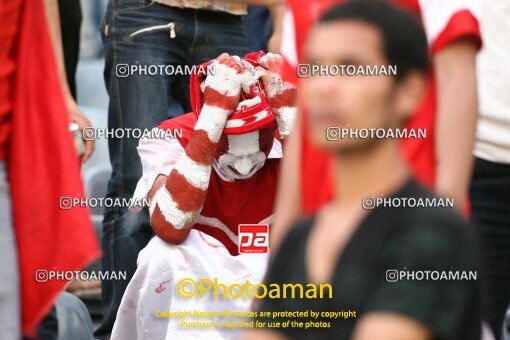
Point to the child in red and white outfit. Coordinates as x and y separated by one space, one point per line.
220 173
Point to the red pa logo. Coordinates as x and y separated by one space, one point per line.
253 238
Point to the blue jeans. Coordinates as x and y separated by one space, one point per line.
258 27
144 101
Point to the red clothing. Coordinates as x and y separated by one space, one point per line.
444 22
229 204
42 168
10 12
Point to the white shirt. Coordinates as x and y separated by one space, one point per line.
493 128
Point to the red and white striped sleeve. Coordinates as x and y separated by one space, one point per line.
176 205
448 21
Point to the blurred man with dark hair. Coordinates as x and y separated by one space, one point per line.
354 249
443 160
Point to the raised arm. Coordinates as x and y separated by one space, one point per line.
176 200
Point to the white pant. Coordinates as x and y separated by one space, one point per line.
153 288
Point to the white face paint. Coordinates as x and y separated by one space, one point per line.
242 159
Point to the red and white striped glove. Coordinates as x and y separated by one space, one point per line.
281 96
176 205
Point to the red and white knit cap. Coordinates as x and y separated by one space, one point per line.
253 112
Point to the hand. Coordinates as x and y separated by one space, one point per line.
281 96
279 93
78 117
223 87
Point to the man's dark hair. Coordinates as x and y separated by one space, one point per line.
404 41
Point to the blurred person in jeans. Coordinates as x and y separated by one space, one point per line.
357 247
144 32
490 186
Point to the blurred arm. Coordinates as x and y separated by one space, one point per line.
388 326
75 114
288 196
455 73
277 11
256 334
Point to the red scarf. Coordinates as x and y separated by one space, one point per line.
42 168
